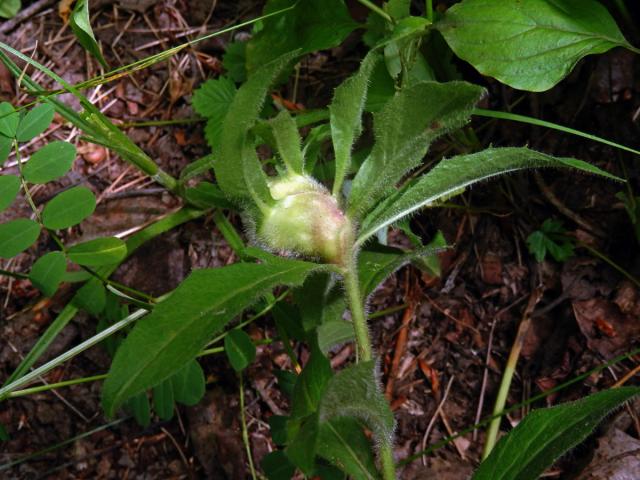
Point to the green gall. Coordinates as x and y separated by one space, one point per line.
306 220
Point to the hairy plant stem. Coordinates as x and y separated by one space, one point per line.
365 350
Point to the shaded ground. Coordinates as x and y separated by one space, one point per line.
460 326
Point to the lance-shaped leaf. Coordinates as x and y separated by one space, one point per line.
404 128
80 22
451 176
529 45
346 116
179 327
285 132
545 434
355 392
241 116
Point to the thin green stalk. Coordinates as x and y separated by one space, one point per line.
69 354
376 9
365 350
19 276
507 375
245 432
160 123
55 386
429 10
554 126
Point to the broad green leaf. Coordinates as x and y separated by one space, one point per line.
68 208
9 188
320 300
234 61
163 399
276 466
212 101
311 25
529 45
547 433
80 23
9 119
189 384
278 429
5 148
355 392
92 298
288 141
9 8
139 406
207 195
334 332
286 381
310 385
550 238
404 128
48 271
346 116
302 447
452 176
34 122
50 162
343 443
243 113
101 251
239 349
17 235
179 327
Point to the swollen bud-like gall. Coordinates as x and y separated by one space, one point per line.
305 219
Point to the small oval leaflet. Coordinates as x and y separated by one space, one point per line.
48 271
239 349
9 188
16 236
69 208
50 162
101 251
34 122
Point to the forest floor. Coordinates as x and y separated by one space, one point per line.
460 327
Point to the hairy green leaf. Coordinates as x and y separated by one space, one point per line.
9 120
529 45
547 433
68 208
101 251
48 271
288 141
311 25
34 122
50 162
179 327
234 61
80 22
355 392
239 348
212 101
404 128
302 447
452 176
334 332
9 188
17 235
343 442
346 116
243 113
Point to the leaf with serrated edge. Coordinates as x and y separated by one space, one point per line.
346 115
455 174
529 45
547 433
212 100
404 128
179 327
